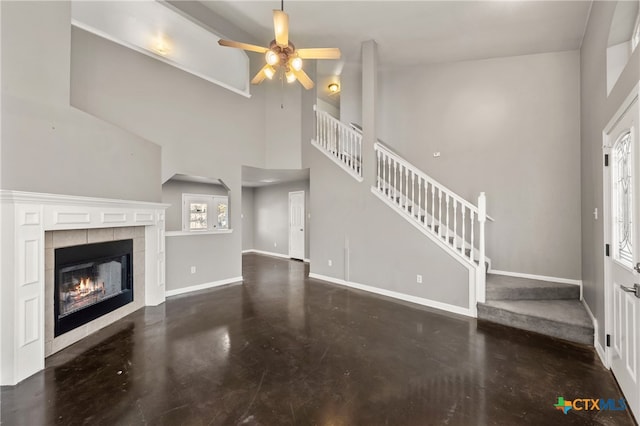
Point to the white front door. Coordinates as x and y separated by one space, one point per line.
623 283
296 225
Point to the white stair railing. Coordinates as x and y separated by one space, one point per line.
435 209
339 142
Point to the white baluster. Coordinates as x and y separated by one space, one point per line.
378 164
359 156
472 242
406 185
325 137
426 202
464 227
447 216
439 212
386 173
395 176
455 224
433 208
403 171
413 194
352 149
325 134
419 198
338 145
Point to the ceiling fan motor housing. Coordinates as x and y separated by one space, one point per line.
284 53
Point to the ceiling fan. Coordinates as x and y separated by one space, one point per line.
281 53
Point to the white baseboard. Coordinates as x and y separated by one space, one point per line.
596 344
269 253
204 286
537 277
601 353
401 296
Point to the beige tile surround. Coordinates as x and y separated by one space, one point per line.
58 239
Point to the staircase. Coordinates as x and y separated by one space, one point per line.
549 308
458 226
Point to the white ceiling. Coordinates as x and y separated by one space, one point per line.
418 32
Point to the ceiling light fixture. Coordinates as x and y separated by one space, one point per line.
271 57
269 71
161 46
333 87
296 63
282 53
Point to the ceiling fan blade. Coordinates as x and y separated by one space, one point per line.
319 53
281 27
245 46
303 78
260 76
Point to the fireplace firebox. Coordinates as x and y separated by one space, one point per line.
91 280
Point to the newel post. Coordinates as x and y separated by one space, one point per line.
482 273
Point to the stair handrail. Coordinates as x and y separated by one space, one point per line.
396 185
336 121
379 145
339 142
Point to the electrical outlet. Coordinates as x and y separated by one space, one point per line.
419 279
193 269
330 262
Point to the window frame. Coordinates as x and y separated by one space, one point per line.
212 202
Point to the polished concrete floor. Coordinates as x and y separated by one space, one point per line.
284 349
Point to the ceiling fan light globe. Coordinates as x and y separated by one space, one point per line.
290 77
269 71
296 63
271 57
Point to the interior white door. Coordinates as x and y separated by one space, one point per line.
296 225
624 283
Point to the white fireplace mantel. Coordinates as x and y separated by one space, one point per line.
24 218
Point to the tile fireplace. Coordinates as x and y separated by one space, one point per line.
94 280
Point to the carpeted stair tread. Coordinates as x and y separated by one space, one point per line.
501 287
564 319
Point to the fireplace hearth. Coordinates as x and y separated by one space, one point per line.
91 280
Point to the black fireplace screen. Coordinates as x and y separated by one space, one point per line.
90 281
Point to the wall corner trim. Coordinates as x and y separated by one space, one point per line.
400 296
234 280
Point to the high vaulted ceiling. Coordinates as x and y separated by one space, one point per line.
418 32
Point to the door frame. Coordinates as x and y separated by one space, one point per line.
607 141
304 220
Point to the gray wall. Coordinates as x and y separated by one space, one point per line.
204 130
509 127
271 217
366 241
48 146
208 253
370 244
282 126
247 217
596 111
172 191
